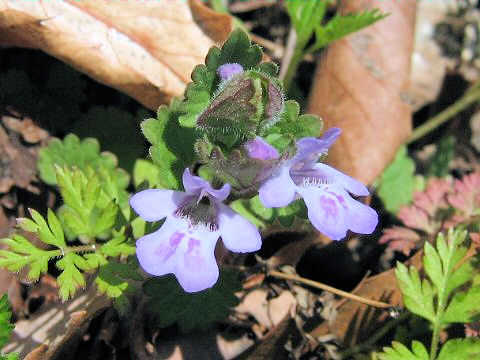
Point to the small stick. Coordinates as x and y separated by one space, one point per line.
318 285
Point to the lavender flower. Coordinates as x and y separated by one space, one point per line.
185 243
226 71
325 190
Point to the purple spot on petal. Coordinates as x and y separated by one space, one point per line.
176 237
164 252
329 206
194 259
193 244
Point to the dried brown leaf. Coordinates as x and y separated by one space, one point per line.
354 321
360 87
146 50
18 163
30 132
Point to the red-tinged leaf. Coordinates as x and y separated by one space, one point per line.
400 239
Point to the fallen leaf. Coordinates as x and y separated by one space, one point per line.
272 345
145 50
360 86
18 164
30 132
354 321
429 65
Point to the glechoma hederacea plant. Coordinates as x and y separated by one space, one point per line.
233 141
246 143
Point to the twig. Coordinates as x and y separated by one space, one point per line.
471 95
318 285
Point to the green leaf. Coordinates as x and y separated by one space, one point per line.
172 305
397 182
463 307
114 128
113 281
293 125
73 152
22 253
460 349
253 210
440 161
90 209
399 351
50 233
71 278
343 25
417 294
6 327
305 16
172 146
117 246
286 215
237 49
145 174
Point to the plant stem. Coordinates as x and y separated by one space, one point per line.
318 285
442 298
295 60
75 249
471 95
380 333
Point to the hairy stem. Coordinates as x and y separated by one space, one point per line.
318 285
75 249
471 95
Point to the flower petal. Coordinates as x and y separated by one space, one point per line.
238 234
157 253
362 218
331 175
279 190
194 185
310 148
325 211
226 71
259 149
197 268
155 204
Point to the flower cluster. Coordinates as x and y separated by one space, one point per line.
195 219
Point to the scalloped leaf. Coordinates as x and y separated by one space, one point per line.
191 311
198 94
172 146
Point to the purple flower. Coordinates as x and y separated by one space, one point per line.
185 243
325 190
226 71
261 150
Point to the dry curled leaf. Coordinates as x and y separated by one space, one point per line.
360 87
30 132
355 321
146 50
18 163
